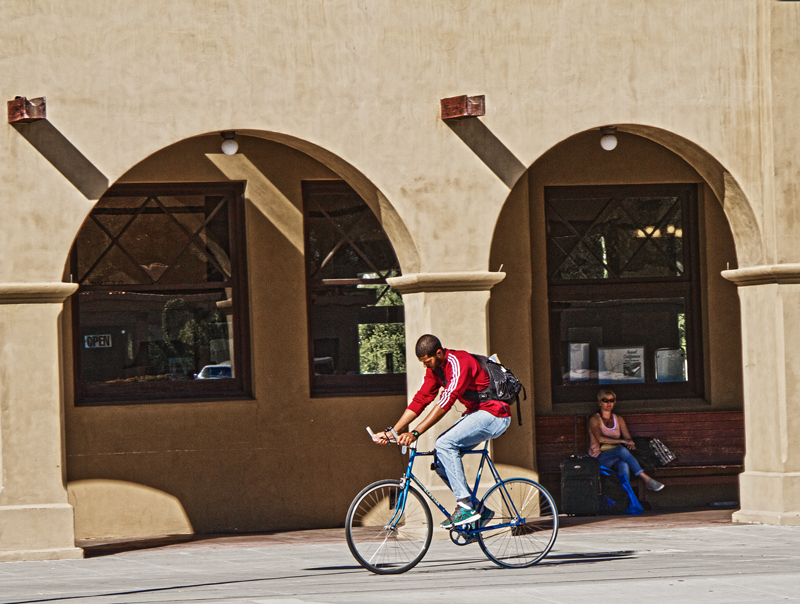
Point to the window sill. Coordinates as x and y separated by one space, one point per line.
164 401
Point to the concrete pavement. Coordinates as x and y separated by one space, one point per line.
696 556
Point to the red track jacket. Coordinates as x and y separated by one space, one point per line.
461 373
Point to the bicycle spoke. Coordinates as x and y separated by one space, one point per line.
380 549
533 520
383 538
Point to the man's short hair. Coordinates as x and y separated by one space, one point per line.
427 346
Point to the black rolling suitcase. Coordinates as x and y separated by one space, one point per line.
580 485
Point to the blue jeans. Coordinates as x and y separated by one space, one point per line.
621 460
466 434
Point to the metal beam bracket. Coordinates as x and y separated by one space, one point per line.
459 107
21 110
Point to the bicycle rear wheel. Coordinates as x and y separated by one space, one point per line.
382 538
531 520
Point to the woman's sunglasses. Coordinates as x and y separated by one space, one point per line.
608 400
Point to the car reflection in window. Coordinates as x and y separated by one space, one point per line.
215 372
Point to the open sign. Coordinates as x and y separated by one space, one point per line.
97 341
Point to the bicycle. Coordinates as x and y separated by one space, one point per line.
389 527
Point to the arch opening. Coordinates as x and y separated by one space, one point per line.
222 441
555 304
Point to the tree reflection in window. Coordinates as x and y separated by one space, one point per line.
614 237
356 320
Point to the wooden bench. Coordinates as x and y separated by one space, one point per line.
708 445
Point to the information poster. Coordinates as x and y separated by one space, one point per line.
620 364
670 365
578 361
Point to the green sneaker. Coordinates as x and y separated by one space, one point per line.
460 517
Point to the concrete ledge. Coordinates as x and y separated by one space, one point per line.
769 498
446 282
37 532
765 517
764 274
36 293
71 553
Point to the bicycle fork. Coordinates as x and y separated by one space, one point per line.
399 505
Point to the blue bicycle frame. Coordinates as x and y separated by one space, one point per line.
408 477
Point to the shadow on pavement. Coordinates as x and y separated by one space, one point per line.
550 560
650 520
106 547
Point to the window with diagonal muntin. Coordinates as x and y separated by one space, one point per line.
160 308
356 320
622 269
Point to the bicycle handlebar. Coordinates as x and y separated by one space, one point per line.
395 437
391 431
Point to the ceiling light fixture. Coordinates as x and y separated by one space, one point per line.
229 145
609 139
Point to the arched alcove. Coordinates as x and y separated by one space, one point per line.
231 459
521 319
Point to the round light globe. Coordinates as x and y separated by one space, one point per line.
230 146
608 142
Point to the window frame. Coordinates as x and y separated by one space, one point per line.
686 286
388 384
237 387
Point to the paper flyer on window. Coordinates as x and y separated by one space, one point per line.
620 364
579 362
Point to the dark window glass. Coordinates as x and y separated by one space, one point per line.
616 237
356 320
624 297
161 304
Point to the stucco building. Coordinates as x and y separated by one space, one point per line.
139 258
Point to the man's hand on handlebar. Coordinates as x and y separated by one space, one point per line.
383 438
406 438
390 436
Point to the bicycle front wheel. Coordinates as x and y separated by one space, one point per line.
385 536
524 526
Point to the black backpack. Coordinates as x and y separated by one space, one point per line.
503 385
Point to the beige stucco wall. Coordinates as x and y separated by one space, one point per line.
35 517
362 81
356 85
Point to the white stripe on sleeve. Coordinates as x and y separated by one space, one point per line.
455 367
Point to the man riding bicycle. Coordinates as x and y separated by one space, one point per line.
461 377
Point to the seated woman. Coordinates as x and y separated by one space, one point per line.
611 443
